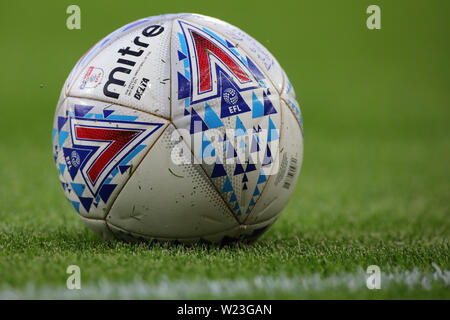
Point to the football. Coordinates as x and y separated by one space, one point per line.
178 127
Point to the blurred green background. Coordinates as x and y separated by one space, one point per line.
374 187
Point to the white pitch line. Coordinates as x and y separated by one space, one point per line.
266 286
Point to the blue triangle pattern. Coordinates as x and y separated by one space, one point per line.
86 202
262 178
123 169
255 70
54 131
227 186
181 56
238 169
106 191
250 167
76 205
240 128
62 137
255 146
107 113
231 152
184 87
267 157
207 148
62 167
211 119
258 107
218 171
268 106
197 123
115 172
81 111
61 122
78 188
133 154
273 132
242 144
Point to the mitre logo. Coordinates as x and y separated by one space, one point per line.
127 60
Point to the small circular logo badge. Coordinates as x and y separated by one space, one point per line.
230 96
75 159
92 78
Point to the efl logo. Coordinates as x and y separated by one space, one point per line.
92 78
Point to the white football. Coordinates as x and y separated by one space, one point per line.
178 127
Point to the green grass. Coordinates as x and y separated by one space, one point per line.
374 187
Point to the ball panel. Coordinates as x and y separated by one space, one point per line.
97 147
131 70
168 200
289 96
281 185
225 120
99 227
208 77
243 233
106 41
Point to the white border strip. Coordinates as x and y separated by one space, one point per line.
265 286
